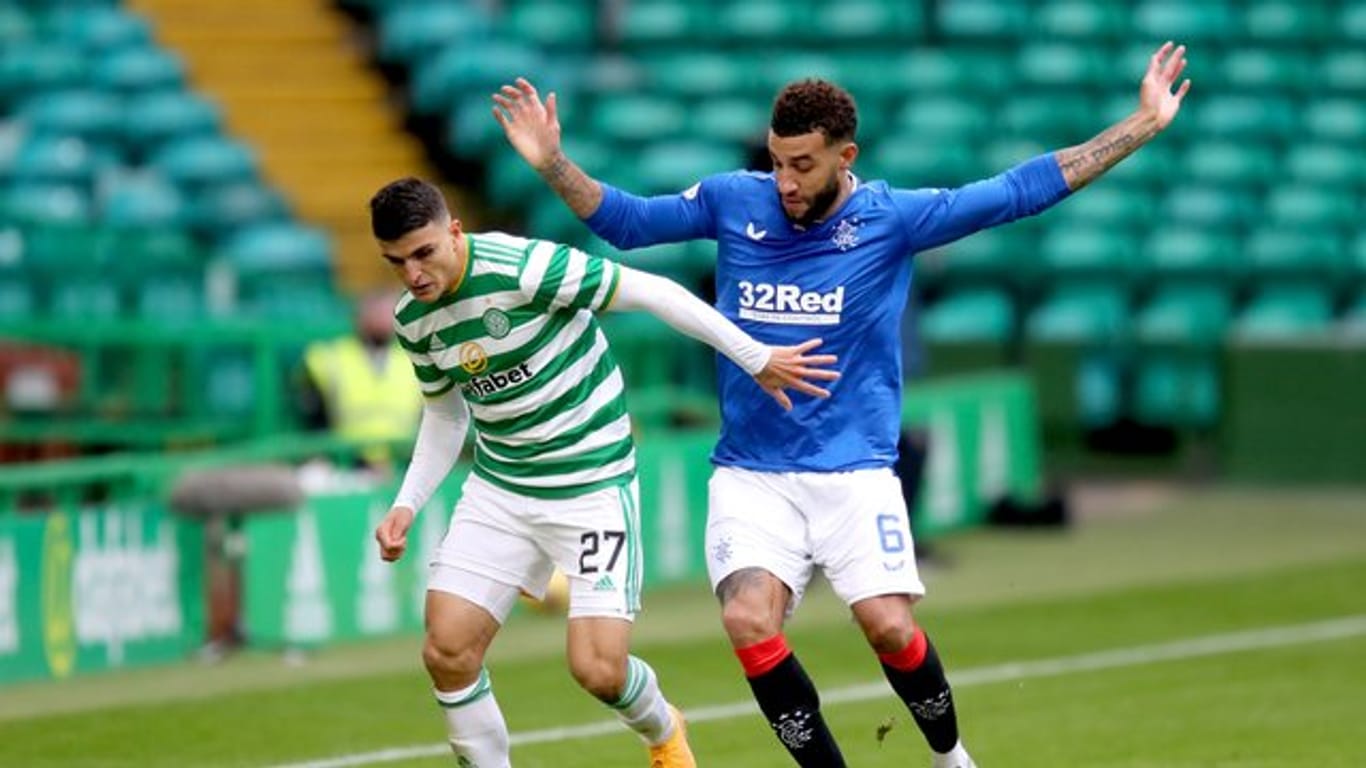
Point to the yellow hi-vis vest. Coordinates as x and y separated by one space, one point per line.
363 403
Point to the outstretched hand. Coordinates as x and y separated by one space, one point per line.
793 368
532 127
1155 94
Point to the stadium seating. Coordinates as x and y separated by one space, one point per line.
1256 189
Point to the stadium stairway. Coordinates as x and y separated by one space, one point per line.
293 83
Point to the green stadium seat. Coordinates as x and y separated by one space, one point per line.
978 315
1185 315
1190 253
550 219
650 23
1207 205
1230 163
1260 70
1327 166
199 162
982 19
1205 21
637 118
1175 389
97 29
170 298
999 257
759 22
906 161
1245 116
1281 312
943 118
1311 208
699 74
1063 65
156 118
1336 119
1094 253
142 201
30 68
1275 255
1085 314
553 24
1050 118
439 82
673 166
272 249
740 121
1003 154
1085 20
1119 207
16 26
1343 71
94 116
775 72
83 298
138 70
411 30
856 22
136 251
17 302
223 209
1287 21
1356 263
1353 321
47 159
39 204
471 131
1352 21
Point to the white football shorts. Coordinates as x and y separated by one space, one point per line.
852 525
516 541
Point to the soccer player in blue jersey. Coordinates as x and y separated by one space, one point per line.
808 247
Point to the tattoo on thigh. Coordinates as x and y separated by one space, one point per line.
740 581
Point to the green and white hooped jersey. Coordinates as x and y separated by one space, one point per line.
519 339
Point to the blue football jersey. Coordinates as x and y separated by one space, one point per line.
844 280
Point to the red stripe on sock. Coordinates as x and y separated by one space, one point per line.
763 655
909 658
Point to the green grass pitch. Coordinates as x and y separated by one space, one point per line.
1213 628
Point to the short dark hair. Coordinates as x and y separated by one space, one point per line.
405 205
815 105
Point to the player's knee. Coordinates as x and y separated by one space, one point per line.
448 659
747 624
889 632
602 677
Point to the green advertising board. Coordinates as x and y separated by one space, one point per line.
314 576
95 588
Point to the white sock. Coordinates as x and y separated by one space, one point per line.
477 731
642 706
955 758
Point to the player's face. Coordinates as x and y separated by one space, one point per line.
810 173
428 259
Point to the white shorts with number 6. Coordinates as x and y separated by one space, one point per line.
501 542
853 525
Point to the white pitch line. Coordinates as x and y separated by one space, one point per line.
1193 648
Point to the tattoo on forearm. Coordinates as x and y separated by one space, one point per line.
1083 163
581 193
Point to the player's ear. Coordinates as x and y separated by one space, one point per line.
848 153
454 227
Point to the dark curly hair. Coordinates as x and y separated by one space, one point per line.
815 105
403 206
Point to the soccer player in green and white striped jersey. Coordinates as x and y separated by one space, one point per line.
501 332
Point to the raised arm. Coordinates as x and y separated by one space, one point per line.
533 129
621 218
1157 106
774 368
